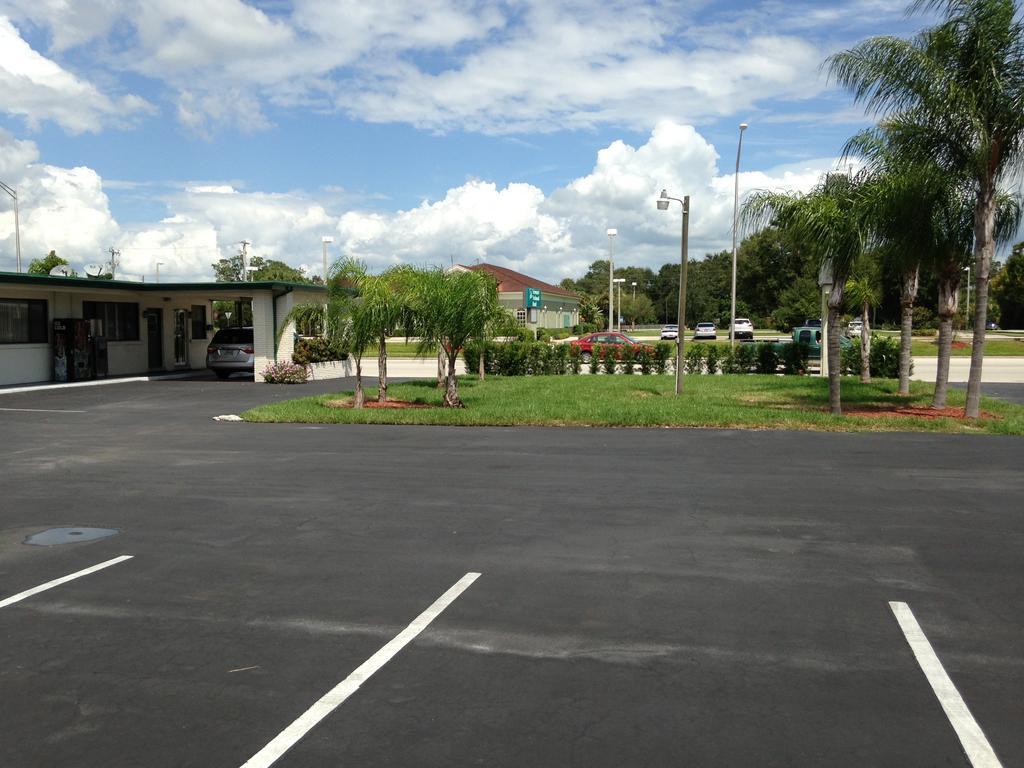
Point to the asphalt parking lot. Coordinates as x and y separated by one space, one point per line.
645 597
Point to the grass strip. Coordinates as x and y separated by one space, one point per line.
755 402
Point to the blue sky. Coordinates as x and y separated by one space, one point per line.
514 132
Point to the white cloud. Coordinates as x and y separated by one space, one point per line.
527 65
37 89
560 234
549 236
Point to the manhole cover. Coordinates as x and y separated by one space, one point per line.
53 536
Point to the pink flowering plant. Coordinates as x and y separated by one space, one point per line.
285 373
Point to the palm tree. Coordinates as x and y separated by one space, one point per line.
864 291
828 222
453 308
351 316
901 206
953 94
387 307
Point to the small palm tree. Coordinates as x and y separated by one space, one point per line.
453 308
828 222
953 95
864 292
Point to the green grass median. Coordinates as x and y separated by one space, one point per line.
755 402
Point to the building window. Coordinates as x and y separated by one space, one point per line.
521 316
23 321
198 321
120 319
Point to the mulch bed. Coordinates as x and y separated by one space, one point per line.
912 411
393 404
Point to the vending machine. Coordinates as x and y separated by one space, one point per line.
72 350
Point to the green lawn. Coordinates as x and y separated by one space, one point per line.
398 349
759 402
993 348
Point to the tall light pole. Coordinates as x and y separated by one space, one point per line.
17 226
967 311
663 202
326 240
158 272
735 229
619 281
633 324
611 288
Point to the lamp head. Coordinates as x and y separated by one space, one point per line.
662 204
612 232
327 239
743 126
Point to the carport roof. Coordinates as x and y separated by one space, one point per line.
93 284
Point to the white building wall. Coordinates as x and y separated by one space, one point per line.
263 331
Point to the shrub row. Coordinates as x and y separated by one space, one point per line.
884 357
317 350
522 358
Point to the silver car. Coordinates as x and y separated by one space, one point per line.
670 332
231 351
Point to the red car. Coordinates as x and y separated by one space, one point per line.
586 343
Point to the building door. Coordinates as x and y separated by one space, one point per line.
181 338
155 338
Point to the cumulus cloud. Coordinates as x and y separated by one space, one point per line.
38 89
550 235
559 234
528 65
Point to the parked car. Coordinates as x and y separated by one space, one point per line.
587 343
231 351
812 322
991 326
670 332
742 328
705 331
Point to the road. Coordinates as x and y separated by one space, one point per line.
997 370
645 598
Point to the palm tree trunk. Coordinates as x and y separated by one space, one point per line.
865 345
949 285
908 294
451 394
984 248
382 370
835 404
483 352
835 365
357 400
440 367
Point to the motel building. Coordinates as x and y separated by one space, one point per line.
535 303
68 328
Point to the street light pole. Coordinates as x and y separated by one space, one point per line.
619 281
735 228
17 225
158 272
633 324
663 202
611 288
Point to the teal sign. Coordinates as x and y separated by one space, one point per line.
531 298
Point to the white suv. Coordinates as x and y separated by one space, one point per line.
743 328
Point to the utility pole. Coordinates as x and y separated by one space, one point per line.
245 260
735 227
681 336
611 275
115 261
17 226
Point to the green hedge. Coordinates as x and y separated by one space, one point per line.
317 350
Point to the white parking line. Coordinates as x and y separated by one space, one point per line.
337 695
978 750
62 580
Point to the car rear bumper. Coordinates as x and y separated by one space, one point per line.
231 365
